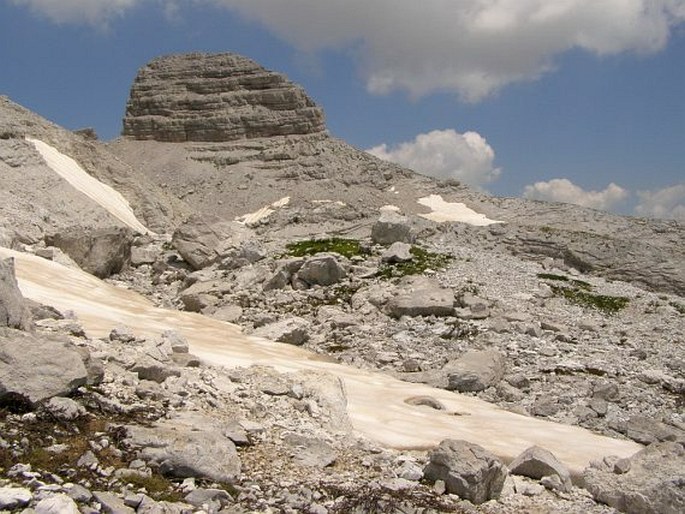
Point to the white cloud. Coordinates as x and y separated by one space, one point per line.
663 203
94 12
445 154
473 47
563 190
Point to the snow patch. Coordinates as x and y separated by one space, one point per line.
102 194
452 211
253 218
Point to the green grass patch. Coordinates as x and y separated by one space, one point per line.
678 306
607 304
562 278
345 247
422 260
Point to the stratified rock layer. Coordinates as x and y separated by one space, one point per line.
216 97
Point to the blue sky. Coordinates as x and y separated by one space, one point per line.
571 100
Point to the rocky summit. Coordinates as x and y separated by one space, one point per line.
227 310
219 97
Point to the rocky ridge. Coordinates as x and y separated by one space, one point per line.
216 97
562 313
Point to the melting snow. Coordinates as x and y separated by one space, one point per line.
254 218
70 170
376 403
448 211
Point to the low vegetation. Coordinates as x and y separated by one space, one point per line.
580 293
345 247
422 260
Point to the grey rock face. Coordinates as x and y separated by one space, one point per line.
653 484
13 310
397 252
420 296
57 504
292 331
390 228
475 371
36 368
468 470
216 97
101 252
197 243
536 462
188 445
322 270
14 497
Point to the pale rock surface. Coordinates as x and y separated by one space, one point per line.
323 270
420 296
397 252
475 371
468 470
293 330
536 462
13 310
35 368
14 497
57 504
216 97
654 484
390 228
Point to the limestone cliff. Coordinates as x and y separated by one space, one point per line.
216 97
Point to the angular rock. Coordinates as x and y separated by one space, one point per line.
397 252
112 504
390 228
154 370
64 409
197 242
467 469
187 445
14 497
646 430
216 498
216 97
14 312
57 504
475 371
293 330
420 296
323 270
536 462
100 252
34 368
654 484
310 452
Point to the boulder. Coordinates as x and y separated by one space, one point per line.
293 330
536 462
309 451
420 296
645 430
397 252
654 483
323 270
390 228
197 242
57 504
101 252
14 497
475 371
468 470
34 368
14 312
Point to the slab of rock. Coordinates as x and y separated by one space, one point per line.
14 312
57 504
646 430
420 296
14 497
323 270
216 97
310 452
34 368
536 462
653 484
397 252
293 330
390 228
475 371
197 242
112 504
468 470
187 445
100 252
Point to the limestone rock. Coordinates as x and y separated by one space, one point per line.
475 371
293 330
57 504
309 451
420 296
390 228
653 484
187 445
197 242
34 368
13 310
14 497
64 409
468 470
397 252
216 97
101 252
536 462
112 503
323 270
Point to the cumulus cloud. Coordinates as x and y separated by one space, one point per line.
563 190
666 203
473 47
445 154
94 12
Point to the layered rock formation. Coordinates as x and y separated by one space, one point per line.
216 97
